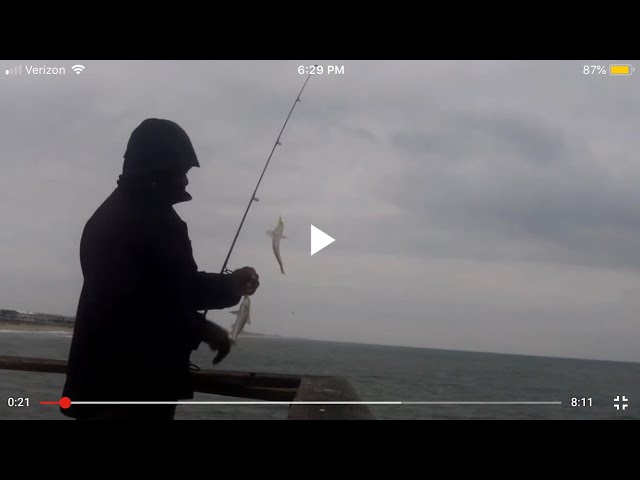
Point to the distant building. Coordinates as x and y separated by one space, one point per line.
31 317
8 315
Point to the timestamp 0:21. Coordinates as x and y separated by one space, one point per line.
18 402
320 69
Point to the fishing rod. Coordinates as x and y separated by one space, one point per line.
253 196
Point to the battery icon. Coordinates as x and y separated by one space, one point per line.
620 69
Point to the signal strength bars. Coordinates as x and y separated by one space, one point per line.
14 70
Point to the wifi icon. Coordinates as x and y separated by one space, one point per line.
78 69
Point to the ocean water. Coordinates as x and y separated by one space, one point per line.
379 373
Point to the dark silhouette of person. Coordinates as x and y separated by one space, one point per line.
138 318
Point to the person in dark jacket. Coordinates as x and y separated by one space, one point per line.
138 317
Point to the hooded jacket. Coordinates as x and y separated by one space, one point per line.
137 320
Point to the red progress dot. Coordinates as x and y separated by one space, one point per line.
65 402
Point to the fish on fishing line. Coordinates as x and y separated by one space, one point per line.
277 235
243 317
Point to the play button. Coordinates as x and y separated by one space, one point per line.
319 240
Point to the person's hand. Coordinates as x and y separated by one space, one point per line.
245 281
218 340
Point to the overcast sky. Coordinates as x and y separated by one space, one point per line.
476 205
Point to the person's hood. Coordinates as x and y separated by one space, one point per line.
158 145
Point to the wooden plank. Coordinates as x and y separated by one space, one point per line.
33 364
243 391
259 386
248 385
321 389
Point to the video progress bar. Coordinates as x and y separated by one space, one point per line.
189 402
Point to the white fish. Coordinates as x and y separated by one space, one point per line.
243 316
276 235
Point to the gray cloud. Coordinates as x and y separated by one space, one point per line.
518 183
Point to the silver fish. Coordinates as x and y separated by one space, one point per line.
276 235
243 316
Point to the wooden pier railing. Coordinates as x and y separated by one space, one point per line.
258 386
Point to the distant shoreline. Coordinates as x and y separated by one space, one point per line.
19 321
50 327
35 327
